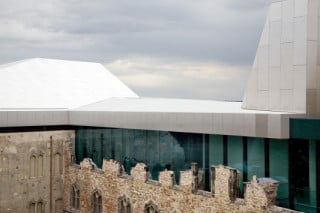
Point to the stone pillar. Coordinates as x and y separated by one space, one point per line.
261 193
111 167
140 172
225 183
186 180
167 178
195 171
87 164
213 179
234 184
69 151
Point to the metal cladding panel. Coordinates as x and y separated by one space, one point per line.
251 125
3 118
33 118
238 124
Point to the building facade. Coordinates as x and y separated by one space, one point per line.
76 139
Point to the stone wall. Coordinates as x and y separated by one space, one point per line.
140 192
26 171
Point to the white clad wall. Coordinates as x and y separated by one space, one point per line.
313 76
286 75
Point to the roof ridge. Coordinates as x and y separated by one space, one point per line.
3 66
15 62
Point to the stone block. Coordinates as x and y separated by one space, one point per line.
140 172
186 178
167 178
88 164
111 167
226 183
261 193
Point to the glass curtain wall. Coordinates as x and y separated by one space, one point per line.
157 149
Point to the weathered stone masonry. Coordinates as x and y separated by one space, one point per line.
164 195
31 170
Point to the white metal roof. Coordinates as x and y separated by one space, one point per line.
142 104
47 83
38 92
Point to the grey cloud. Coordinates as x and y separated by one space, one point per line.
202 30
198 32
149 77
249 4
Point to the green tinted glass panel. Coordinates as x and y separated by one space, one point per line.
235 155
312 175
256 157
279 168
96 144
79 146
107 149
215 149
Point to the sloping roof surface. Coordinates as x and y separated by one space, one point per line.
48 83
142 104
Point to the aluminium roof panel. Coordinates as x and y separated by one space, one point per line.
48 83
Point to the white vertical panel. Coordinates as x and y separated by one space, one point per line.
263 68
300 8
311 101
299 78
286 66
287 99
274 85
300 41
312 20
318 102
274 48
312 52
275 11
263 100
318 23
287 21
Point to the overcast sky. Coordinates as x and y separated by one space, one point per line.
162 48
